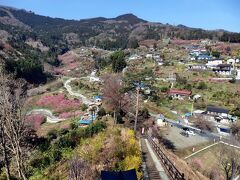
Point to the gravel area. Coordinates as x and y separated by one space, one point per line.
180 141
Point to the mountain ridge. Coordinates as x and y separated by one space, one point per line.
125 16
106 33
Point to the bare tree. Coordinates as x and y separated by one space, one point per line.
230 161
113 95
203 124
236 130
13 129
3 148
78 169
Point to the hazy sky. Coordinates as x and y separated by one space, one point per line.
207 14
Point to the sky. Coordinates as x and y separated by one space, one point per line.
206 14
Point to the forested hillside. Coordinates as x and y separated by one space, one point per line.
29 40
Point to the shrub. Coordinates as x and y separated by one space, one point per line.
35 120
216 175
63 131
233 80
54 154
216 54
101 112
73 126
40 162
203 124
197 164
84 107
145 113
65 141
164 89
52 134
188 87
43 144
118 61
202 85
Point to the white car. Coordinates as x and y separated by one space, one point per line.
189 132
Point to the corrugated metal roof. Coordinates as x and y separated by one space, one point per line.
217 109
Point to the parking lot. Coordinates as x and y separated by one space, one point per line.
181 141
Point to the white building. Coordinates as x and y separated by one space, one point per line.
231 61
238 74
95 79
150 56
214 63
134 57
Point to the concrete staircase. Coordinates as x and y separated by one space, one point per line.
151 172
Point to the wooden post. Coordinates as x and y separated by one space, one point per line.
114 117
136 115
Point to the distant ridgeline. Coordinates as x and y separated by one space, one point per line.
42 39
106 33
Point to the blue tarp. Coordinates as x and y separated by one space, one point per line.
187 114
98 97
121 175
85 122
225 130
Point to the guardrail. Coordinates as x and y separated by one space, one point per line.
168 165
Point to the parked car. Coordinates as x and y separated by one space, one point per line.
184 133
189 132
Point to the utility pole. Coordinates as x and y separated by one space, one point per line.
137 106
192 108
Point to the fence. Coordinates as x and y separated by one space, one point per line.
169 166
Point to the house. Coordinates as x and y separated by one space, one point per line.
161 122
213 110
238 74
196 97
195 52
214 63
156 57
95 79
204 57
197 67
223 69
200 52
150 56
231 61
134 57
98 100
179 94
93 73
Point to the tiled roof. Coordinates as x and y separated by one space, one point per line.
180 92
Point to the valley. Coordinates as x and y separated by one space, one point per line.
79 97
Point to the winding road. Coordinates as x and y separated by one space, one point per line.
85 100
48 113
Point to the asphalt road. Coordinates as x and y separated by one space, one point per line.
48 113
85 100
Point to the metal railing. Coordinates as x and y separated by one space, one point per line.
168 165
